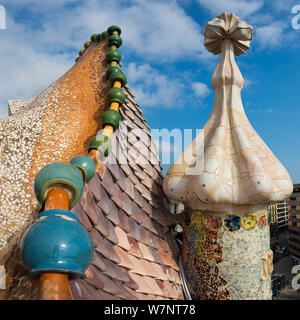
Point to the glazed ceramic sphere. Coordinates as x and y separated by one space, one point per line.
102 143
57 242
113 55
86 164
111 117
116 95
111 70
62 174
112 29
115 40
118 76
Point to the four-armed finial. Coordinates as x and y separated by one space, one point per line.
228 26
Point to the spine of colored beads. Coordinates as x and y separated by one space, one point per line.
116 97
58 187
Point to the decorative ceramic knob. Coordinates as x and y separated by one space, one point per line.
87 44
116 95
113 55
94 37
118 76
102 143
86 164
59 174
112 29
111 117
115 40
57 242
112 70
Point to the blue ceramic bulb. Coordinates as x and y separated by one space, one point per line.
57 242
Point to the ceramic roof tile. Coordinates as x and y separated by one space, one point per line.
126 169
143 286
134 229
140 174
108 183
82 291
156 228
114 287
117 196
131 284
155 242
123 256
162 287
137 267
122 238
83 218
113 271
174 290
171 274
128 91
155 289
149 253
104 246
129 189
147 207
93 278
122 180
110 210
88 204
156 189
148 267
136 212
106 296
148 182
126 204
101 195
161 275
123 220
134 250
133 178
167 259
164 245
94 185
98 261
106 228
113 167
141 296
141 188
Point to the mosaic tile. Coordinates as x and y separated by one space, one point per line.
232 223
249 222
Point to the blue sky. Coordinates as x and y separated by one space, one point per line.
163 56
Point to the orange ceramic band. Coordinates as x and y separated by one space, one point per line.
54 285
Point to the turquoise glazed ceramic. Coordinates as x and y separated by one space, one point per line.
57 242
86 164
62 174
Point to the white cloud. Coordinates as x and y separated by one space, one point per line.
26 70
242 8
200 89
270 35
152 88
37 49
